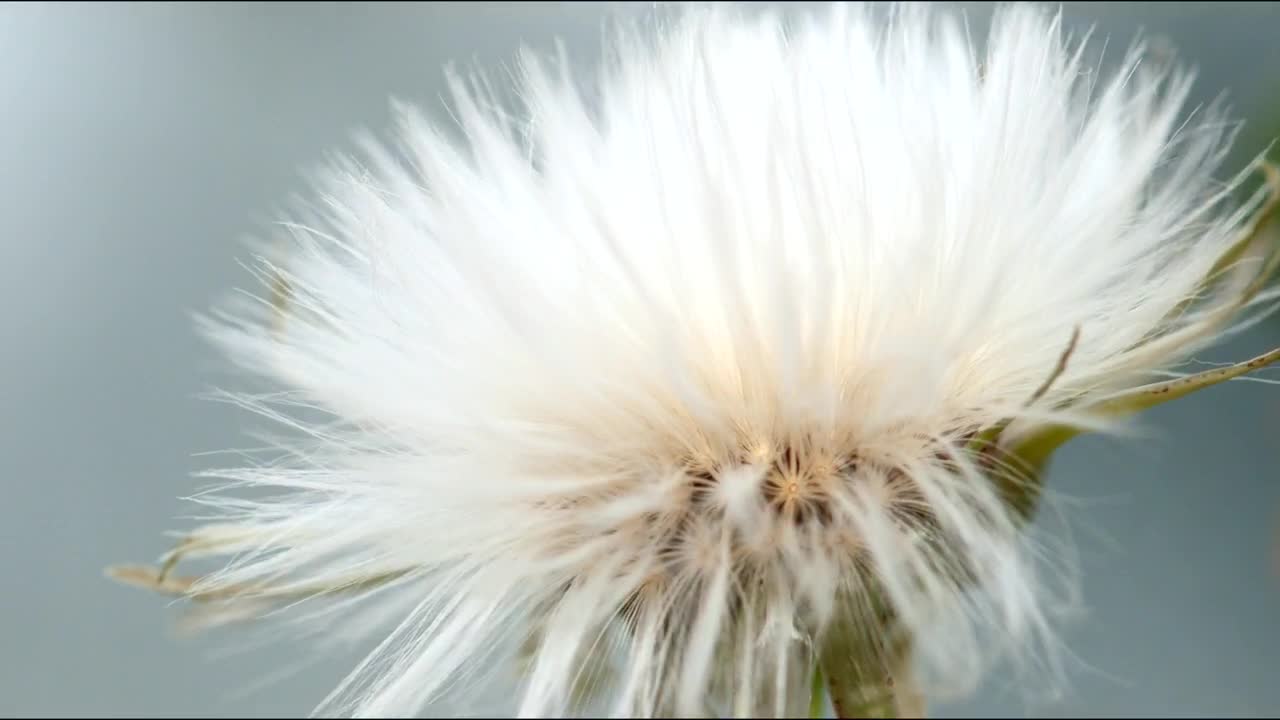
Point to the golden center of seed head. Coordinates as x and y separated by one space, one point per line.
797 483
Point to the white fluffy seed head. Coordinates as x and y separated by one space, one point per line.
644 396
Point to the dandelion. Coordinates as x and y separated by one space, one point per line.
724 385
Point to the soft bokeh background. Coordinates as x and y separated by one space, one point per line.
140 143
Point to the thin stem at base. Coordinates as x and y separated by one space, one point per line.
865 679
817 694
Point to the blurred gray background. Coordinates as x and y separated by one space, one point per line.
140 143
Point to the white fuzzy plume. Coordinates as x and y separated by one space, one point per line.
641 396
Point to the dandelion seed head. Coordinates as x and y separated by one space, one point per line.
652 396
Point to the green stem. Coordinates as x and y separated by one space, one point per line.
863 695
866 675
817 694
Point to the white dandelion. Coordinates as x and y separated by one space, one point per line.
724 384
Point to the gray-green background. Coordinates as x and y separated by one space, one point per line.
139 143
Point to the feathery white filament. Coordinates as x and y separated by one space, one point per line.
670 381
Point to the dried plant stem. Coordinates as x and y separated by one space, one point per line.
160 580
